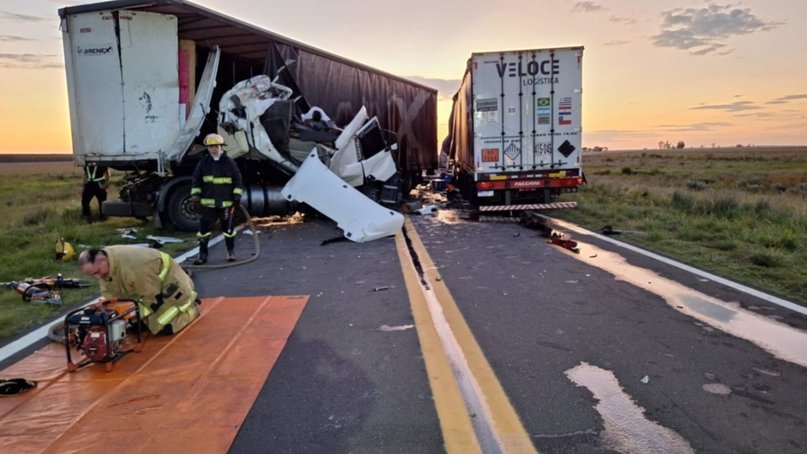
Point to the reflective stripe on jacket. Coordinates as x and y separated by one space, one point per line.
91 172
163 289
217 182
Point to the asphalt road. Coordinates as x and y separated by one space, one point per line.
590 363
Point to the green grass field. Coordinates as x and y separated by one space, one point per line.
42 203
740 213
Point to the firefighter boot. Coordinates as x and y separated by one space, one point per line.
230 241
202 259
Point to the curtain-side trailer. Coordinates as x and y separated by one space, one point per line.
515 128
146 81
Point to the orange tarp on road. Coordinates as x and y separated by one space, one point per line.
184 393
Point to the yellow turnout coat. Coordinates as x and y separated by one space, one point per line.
163 290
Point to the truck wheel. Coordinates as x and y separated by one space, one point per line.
181 212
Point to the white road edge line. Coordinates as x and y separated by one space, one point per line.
753 292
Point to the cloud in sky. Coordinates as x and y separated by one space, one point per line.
587 7
622 20
29 61
736 106
695 127
700 31
787 99
13 38
616 43
760 115
17 17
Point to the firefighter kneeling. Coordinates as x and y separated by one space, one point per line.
165 293
216 189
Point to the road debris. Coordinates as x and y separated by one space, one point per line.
387 328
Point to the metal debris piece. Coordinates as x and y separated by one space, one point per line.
558 239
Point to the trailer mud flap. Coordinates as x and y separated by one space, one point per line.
360 218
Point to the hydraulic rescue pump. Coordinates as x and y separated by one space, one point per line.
99 332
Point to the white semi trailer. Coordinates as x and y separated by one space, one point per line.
515 128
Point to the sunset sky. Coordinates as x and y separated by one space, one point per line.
706 73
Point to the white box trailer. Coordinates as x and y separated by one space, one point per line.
515 128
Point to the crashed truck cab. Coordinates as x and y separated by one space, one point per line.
257 119
260 127
146 80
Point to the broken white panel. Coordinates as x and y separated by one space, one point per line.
241 108
380 167
347 163
263 145
199 108
360 218
352 128
310 115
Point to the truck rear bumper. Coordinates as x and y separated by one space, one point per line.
529 206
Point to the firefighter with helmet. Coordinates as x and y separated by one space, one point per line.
216 190
165 294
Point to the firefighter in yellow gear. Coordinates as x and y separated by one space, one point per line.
164 292
216 189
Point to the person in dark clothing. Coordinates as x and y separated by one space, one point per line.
96 182
216 190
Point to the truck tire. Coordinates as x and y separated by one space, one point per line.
181 212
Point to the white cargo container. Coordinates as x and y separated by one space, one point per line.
515 128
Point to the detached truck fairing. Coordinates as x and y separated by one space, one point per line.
146 81
515 128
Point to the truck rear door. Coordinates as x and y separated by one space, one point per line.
526 110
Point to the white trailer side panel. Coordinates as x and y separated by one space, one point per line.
519 124
123 93
150 57
94 85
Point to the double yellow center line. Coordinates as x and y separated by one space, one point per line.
460 376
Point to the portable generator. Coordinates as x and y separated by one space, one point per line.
99 332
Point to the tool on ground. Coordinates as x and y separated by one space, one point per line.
99 333
44 290
58 282
14 386
34 294
560 240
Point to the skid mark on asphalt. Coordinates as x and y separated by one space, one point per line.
626 429
782 341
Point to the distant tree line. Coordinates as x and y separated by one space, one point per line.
666 145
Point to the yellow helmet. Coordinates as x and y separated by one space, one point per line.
214 139
64 250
